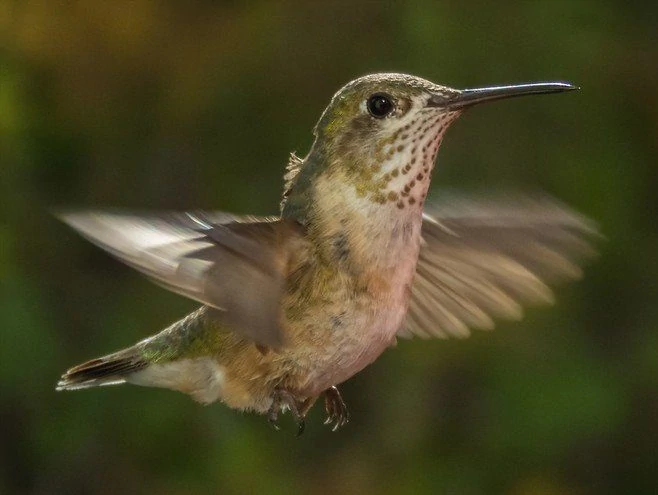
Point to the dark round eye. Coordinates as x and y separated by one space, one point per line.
380 105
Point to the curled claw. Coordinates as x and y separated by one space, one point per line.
336 408
337 413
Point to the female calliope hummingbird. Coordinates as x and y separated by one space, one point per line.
293 305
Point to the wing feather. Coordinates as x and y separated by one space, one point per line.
483 259
233 264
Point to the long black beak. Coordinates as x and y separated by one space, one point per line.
468 97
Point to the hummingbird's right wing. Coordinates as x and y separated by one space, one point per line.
482 259
233 264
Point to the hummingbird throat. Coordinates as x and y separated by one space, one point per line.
400 168
367 208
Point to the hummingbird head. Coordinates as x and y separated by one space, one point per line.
381 133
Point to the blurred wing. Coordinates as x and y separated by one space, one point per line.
481 260
234 264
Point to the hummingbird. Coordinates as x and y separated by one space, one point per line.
294 305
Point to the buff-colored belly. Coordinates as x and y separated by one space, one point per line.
342 352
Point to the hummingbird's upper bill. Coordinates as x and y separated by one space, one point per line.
469 97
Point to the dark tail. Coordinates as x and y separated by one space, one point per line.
107 370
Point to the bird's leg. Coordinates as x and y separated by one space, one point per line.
336 408
282 399
306 405
303 408
273 411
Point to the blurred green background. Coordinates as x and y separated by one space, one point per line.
173 105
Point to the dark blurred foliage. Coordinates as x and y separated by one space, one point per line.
171 105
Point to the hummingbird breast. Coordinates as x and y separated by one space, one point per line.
349 295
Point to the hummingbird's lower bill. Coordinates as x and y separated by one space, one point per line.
293 305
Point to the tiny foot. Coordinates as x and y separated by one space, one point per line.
282 400
337 413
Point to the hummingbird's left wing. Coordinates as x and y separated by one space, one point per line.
234 264
483 259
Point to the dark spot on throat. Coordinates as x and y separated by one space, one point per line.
337 321
340 245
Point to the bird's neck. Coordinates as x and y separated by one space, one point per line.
351 219
353 229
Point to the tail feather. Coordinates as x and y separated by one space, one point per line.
108 370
